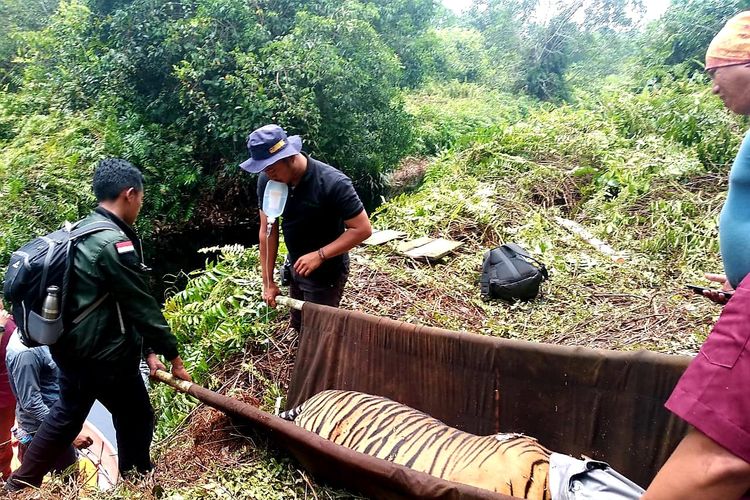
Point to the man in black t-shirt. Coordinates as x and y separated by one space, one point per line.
323 219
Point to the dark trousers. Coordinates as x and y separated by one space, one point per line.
68 458
122 392
328 296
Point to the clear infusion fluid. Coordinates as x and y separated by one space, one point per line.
274 200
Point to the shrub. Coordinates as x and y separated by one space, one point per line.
448 114
218 314
45 175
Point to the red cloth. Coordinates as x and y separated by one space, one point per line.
7 418
7 399
7 405
712 394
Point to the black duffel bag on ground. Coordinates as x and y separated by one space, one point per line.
510 273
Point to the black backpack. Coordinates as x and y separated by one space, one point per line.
40 263
510 273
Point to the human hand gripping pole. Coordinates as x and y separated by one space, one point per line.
82 441
172 381
179 371
178 368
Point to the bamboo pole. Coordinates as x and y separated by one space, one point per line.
172 381
230 406
290 302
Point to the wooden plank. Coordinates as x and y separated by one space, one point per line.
435 249
408 245
380 237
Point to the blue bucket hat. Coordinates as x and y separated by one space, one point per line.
267 145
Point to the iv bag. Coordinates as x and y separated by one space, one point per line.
274 199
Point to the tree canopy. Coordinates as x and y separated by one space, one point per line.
177 86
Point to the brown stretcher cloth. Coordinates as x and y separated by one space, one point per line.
603 404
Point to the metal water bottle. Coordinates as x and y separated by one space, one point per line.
51 305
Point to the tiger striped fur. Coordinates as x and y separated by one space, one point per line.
512 464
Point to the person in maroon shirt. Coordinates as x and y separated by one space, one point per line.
7 400
713 395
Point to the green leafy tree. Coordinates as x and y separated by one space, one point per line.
680 38
16 18
602 53
538 45
45 174
403 24
501 22
548 57
177 86
343 81
461 55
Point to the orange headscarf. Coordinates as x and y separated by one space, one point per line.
732 44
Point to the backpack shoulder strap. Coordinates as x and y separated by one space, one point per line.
523 253
517 249
508 262
45 267
79 231
484 278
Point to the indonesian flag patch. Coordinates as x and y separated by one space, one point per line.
125 247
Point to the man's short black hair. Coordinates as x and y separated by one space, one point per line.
112 175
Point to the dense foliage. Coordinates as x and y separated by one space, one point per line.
444 115
176 87
617 160
678 41
218 313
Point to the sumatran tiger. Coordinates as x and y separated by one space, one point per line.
512 464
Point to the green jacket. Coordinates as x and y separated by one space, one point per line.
113 319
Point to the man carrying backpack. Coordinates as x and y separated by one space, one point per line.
116 323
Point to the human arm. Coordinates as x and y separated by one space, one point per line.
179 370
128 288
702 469
718 296
154 363
269 249
358 229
